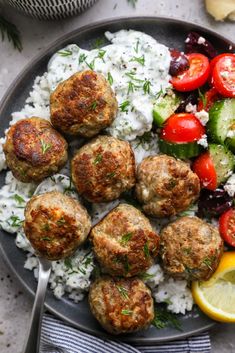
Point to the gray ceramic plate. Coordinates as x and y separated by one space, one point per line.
168 31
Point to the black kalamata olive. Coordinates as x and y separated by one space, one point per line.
213 203
179 63
195 43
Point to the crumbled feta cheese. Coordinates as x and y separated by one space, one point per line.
203 141
201 40
225 74
191 108
224 162
187 40
229 187
203 116
227 62
231 133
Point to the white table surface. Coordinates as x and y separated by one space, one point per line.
15 304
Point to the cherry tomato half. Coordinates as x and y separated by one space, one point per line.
195 76
205 170
182 127
213 62
217 58
227 226
211 97
224 76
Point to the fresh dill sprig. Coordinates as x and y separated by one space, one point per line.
127 312
202 97
18 199
46 239
146 86
136 47
110 78
14 221
68 263
146 276
91 65
45 146
124 106
125 238
93 105
164 318
98 159
123 291
65 52
146 250
140 60
10 31
131 75
82 58
101 54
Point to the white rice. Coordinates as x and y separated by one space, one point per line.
73 276
176 294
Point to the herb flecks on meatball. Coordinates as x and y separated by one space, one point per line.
83 105
34 150
55 224
190 248
121 305
103 169
166 186
124 242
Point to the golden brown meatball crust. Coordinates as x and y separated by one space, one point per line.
55 224
34 150
166 186
103 169
190 248
121 305
124 242
84 104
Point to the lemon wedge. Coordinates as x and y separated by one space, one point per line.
216 297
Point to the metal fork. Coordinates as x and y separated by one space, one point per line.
32 343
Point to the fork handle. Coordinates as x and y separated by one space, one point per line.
32 343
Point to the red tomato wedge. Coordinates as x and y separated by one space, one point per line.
211 97
205 170
227 226
223 76
182 127
195 76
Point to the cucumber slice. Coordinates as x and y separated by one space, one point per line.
223 161
221 118
230 141
165 107
180 150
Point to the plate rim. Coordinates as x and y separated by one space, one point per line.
7 96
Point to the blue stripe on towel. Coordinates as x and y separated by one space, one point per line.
59 337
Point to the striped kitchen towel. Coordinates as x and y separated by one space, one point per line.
59 337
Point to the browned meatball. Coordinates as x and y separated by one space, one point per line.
121 305
166 186
190 248
84 104
55 224
124 242
34 150
103 169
